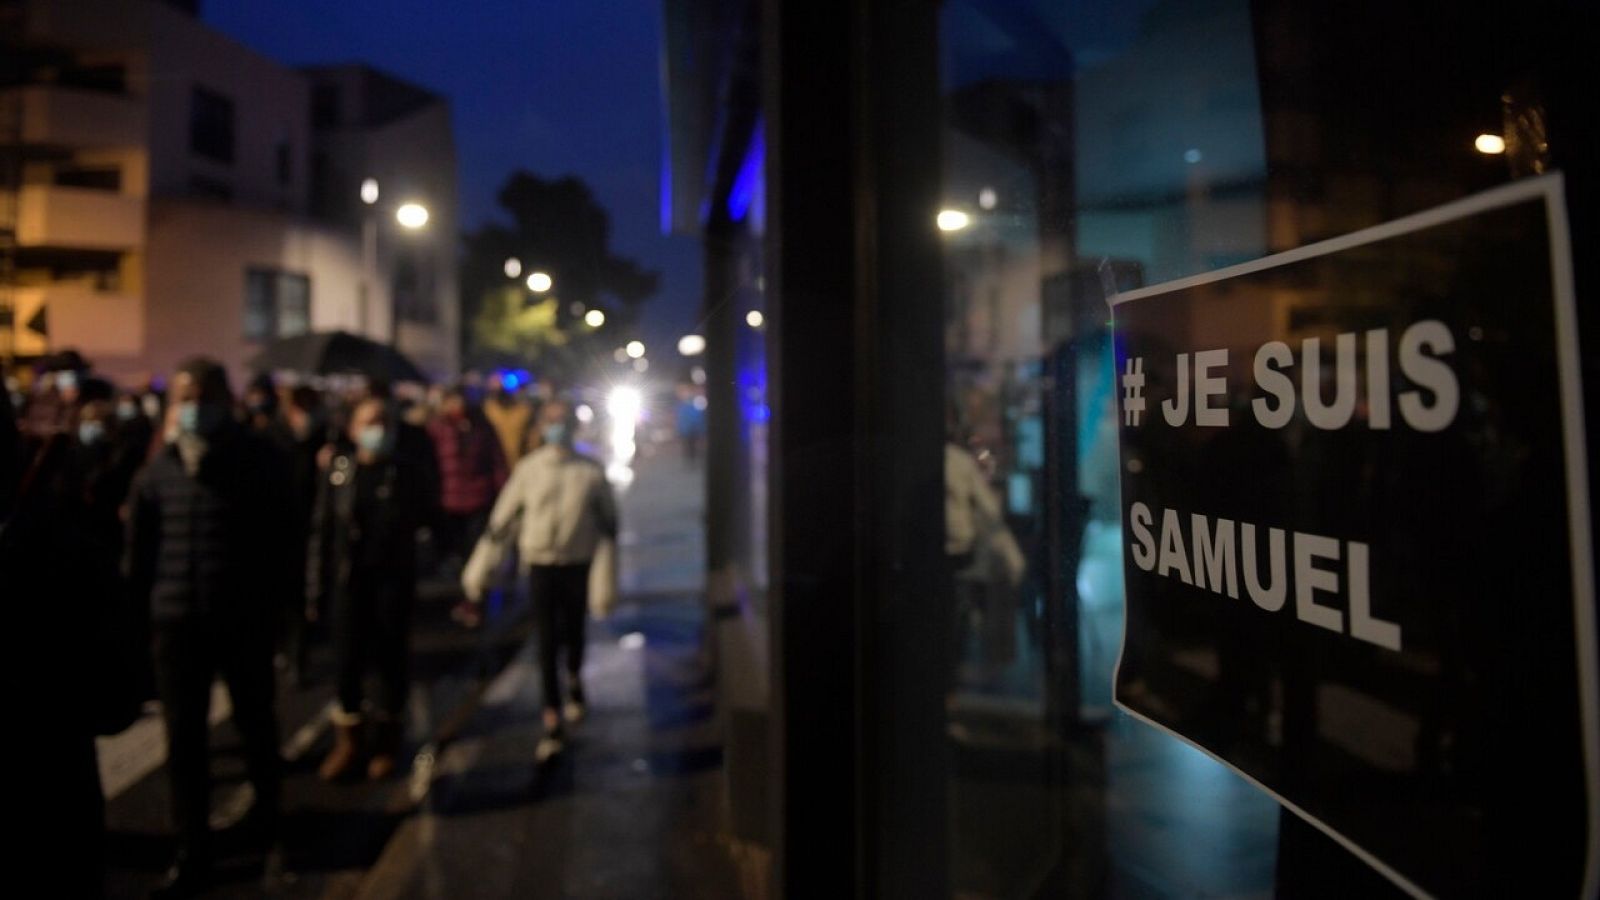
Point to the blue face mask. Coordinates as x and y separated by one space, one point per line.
555 433
370 438
189 417
90 433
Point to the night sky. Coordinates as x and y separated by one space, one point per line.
554 87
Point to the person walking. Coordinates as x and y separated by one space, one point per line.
510 416
560 507
361 567
67 677
472 468
207 528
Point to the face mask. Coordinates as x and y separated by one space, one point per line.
370 438
127 410
189 417
555 433
89 433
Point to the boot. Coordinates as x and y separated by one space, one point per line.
346 751
190 876
385 756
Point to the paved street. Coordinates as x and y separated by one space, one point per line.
631 810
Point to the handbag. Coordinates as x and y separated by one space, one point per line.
603 579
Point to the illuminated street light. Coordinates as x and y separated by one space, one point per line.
539 282
513 267
953 220
754 318
594 318
369 191
987 198
1490 144
411 215
691 345
641 365
635 349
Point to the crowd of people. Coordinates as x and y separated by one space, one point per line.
197 534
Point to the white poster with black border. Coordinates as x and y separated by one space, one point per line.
1357 539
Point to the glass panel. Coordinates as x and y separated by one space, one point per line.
1095 147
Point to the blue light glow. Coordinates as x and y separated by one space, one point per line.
749 186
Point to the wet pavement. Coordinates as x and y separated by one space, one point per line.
632 809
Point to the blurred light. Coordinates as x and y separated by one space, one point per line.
632 641
585 413
412 215
754 318
641 365
620 356
594 318
635 349
509 380
625 403
1490 144
953 220
539 282
577 307
691 345
1191 156
697 375
369 191
987 198
513 267
700 402
619 474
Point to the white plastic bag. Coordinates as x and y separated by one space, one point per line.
603 579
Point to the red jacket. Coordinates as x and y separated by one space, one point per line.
471 466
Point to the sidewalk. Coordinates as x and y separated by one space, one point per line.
333 833
633 808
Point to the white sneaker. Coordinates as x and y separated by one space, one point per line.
550 746
573 712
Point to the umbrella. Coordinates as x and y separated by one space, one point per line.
335 352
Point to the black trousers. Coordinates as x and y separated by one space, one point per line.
188 657
372 625
561 602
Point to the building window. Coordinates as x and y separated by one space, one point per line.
211 125
325 106
97 178
276 304
285 164
413 286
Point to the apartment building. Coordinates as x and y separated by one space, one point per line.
164 194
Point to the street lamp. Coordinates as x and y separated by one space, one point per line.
539 282
953 220
369 191
691 345
635 349
513 267
1489 144
594 318
411 215
754 318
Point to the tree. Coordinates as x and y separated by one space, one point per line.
557 227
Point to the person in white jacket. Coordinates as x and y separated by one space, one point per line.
561 507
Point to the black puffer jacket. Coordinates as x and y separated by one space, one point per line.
217 543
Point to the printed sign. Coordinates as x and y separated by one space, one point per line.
1357 545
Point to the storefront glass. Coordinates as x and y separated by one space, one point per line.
1093 148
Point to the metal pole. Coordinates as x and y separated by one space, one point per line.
369 269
